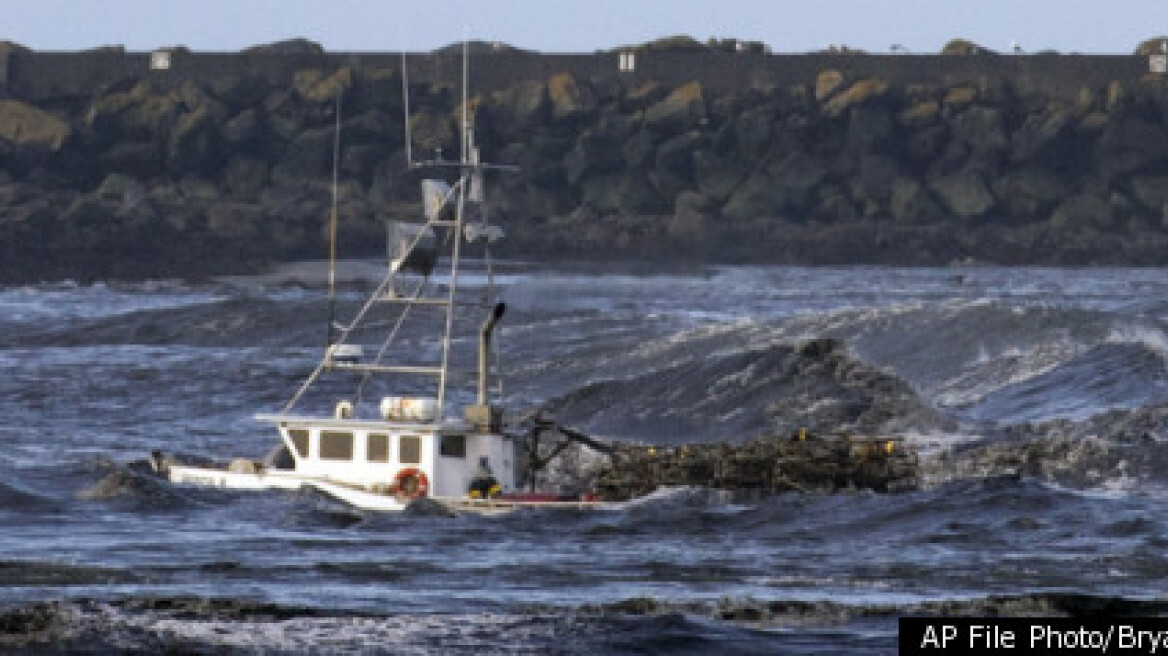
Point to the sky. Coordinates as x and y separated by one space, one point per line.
921 26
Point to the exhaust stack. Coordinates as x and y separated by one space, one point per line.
485 348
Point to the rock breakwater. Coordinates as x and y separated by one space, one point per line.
222 163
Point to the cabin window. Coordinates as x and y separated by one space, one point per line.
409 450
335 445
299 439
377 448
453 446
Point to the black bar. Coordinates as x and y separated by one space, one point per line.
1034 635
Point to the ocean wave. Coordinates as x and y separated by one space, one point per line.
735 395
65 302
17 498
1114 452
730 625
135 484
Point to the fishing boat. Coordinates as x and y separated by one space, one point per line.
395 449
421 439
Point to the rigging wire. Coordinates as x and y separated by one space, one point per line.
368 375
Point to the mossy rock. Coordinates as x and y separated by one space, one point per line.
7 47
523 101
920 115
1154 46
314 85
960 96
963 47
679 42
287 47
827 83
118 186
683 107
30 128
570 98
236 221
431 131
964 193
859 93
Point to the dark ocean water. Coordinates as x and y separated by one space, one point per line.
1039 398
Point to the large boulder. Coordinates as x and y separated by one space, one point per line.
243 127
685 106
32 132
85 215
798 172
8 47
639 150
785 187
1083 210
644 95
827 83
1152 191
318 86
963 47
919 115
859 93
599 191
105 111
1041 132
245 177
1154 46
716 176
964 193
757 197
910 202
597 150
691 217
236 222
752 132
287 47
675 43
120 187
309 156
960 96
570 98
238 89
139 158
636 197
520 104
925 144
193 142
372 126
431 131
673 168
611 131
1129 146
1029 193
380 87
869 128
980 128
874 179
284 113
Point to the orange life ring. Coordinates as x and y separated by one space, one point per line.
410 482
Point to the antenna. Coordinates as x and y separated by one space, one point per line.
463 154
406 112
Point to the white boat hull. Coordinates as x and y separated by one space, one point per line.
363 499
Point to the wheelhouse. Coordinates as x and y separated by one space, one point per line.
375 454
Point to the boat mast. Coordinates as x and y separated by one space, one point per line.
333 219
405 78
457 228
467 188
